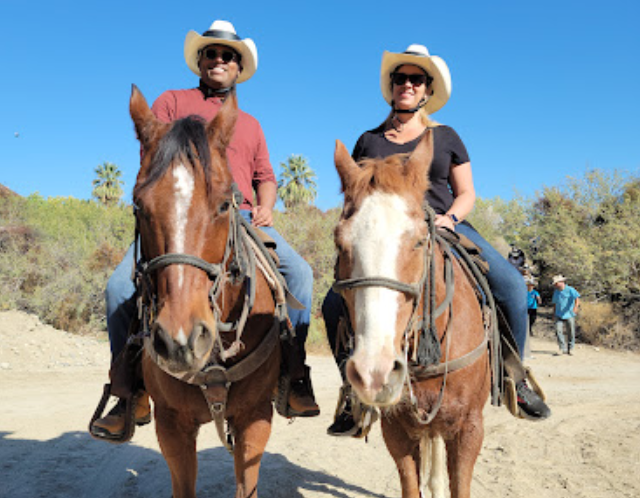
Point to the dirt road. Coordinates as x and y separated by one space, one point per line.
50 382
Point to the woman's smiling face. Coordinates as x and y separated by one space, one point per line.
408 94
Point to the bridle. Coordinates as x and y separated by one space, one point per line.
428 355
236 264
239 265
422 290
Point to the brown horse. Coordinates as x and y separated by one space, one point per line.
196 366
384 247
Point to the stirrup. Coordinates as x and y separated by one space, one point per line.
510 394
129 423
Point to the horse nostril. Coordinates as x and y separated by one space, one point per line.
398 366
398 373
201 341
160 345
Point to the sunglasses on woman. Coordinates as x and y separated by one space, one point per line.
415 79
226 55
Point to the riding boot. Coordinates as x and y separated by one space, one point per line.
301 399
112 426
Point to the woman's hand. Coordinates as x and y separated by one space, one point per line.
442 220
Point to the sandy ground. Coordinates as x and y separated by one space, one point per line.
50 383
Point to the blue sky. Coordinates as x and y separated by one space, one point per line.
541 90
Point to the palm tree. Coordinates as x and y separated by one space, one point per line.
107 187
296 186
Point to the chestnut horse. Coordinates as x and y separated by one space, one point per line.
385 248
196 366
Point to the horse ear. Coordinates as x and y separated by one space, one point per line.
419 163
143 119
220 130
345 165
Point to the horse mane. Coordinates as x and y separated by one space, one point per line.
386 175
187 139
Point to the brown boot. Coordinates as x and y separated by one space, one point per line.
302 402
112 426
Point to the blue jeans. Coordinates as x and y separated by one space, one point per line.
507 286
296 271
506 283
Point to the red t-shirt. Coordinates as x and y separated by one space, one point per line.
247 153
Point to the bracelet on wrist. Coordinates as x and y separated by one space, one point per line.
453 218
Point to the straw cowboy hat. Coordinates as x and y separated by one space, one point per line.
418 55
530 281
221 33
558 278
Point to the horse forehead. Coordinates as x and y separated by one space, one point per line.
183 182
381 221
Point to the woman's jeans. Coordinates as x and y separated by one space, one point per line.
121 307
506 283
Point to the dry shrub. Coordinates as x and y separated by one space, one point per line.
105 257
601 324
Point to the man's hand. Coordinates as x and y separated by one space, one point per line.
262 216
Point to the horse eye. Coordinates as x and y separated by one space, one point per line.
138 210
224 207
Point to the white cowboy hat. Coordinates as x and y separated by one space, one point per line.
530 281
221 33
558 278
418 55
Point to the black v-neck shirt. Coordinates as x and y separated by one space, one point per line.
448 151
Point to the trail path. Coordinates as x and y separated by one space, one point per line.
50 383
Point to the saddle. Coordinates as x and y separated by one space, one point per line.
507 367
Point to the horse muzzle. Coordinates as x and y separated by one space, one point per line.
377 383
179 352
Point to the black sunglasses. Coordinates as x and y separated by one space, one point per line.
415 79
226 55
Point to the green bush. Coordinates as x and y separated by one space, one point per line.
56 256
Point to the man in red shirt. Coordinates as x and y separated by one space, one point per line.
221 59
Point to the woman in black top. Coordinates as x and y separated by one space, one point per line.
416 85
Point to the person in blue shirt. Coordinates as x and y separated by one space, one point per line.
567 301
533 301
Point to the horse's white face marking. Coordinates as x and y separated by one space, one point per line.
376 233
181 338
183 191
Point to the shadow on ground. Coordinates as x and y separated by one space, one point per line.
74 464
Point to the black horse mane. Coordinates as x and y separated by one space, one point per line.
187 138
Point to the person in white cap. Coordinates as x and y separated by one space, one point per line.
416 84
567 301
221 60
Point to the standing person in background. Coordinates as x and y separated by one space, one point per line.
567 302
533 301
